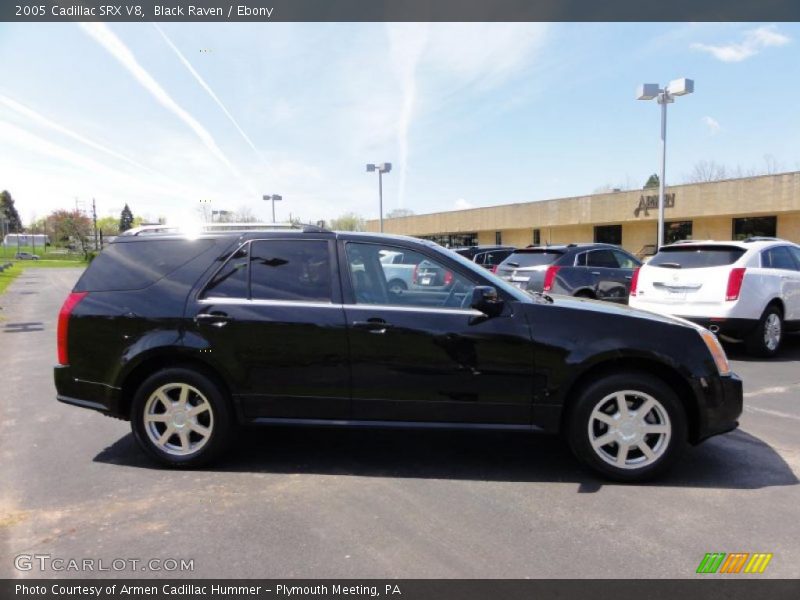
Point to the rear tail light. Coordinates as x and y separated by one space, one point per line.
550 277
735 279
414 275
635 281
63 324
448 277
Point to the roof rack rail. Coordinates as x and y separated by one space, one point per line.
762 238
221 227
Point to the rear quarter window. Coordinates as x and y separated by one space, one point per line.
137 265
696 257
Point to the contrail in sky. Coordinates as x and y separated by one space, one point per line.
116 47
208 89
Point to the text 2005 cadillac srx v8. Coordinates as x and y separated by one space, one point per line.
188 337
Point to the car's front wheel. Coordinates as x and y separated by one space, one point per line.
181 417
627 426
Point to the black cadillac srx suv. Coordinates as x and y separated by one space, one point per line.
189 337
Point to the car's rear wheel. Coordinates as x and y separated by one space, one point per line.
627 426
765 340
181 417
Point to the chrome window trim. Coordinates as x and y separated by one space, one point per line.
306 304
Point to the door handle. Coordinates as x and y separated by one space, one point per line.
216 319
376 325
628 276
595 272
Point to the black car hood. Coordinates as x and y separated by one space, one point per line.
608 308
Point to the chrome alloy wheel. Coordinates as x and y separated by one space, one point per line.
629 429
772 331
178 419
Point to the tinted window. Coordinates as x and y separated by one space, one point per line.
601 258
495 258
531 259
694 257
290 270
608 234
795 252
231 280
777 258
754 226
138 264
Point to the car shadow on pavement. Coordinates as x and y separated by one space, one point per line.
736 460
788 352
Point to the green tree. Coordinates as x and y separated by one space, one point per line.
108 225
348 222
652 181
9 212
125 219
72 228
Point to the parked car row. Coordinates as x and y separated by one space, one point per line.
745 291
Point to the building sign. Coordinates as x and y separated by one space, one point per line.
648 202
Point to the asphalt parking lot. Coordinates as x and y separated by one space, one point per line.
323 503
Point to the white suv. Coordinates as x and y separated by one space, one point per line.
748 290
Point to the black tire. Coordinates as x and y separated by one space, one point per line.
217 418
585 294
757 342
395 286
668 414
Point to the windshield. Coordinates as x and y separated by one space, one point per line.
530 259
696 257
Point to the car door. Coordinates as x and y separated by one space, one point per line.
425 355
794 300
271 317
782 265
608 279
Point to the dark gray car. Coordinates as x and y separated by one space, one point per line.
600 271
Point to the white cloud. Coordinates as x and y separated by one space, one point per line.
207 88
712 124
754 41
462 204
116 47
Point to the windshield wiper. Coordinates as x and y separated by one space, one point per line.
512 264
670 265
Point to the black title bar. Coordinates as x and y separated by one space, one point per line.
398 10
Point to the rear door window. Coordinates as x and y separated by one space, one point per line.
290 270
795 252
777 258
602 258
696 257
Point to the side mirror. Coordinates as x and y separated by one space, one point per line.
486 300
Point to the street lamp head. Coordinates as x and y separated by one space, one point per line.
370 168
681 87
385 167
647 91
277 197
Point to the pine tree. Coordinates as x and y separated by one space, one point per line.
9 212
125 219
652 181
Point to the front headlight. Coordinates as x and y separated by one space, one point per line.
716 350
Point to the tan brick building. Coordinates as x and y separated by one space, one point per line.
720 210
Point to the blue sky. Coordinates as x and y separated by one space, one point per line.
161 116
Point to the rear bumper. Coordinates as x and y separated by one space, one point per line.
86 394
722 408
735 328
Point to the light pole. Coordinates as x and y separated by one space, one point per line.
666 95
274 198
381 168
